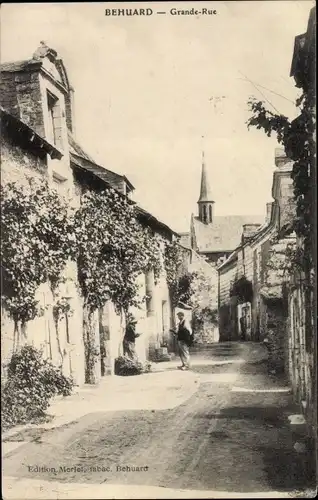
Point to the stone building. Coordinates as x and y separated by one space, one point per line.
154 317
301 290
213 236
251 300
37 111
38 140
204 300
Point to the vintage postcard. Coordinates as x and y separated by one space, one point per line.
158 250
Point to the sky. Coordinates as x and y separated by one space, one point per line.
147 89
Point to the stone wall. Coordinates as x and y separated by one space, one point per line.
302 361
226 278
18 163
276 334
205 298
21 96
228 321
62 343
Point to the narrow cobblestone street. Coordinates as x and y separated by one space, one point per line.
231 436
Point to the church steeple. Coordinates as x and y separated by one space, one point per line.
205 201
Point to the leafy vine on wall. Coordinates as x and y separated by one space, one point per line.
37 241
113 250
297 138
179 281
40 233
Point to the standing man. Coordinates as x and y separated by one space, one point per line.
185 338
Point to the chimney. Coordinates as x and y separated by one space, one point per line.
268 212
249 230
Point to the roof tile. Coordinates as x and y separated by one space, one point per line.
224 234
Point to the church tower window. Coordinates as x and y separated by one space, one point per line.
210 213
204 214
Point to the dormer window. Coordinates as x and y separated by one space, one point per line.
54 120
60 184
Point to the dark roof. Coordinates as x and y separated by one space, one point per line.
84 161
224 234
19 65
304 55
205 190
147 217
298 46
33 138
76 148
185 240
78 155
37 63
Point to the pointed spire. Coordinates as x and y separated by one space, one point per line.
205 191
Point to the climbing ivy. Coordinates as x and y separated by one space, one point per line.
37 241
173 259
179 281
113 250
298 140
297 137
242 288
40 233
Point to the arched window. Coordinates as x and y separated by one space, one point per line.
205 215
210 213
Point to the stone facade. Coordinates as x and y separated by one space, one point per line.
204 297
25 90
253 266
302 361
301 290
37 140
227 304
213 236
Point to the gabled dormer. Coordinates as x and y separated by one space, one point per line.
37 92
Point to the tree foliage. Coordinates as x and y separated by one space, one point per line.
242 288
37 241
40 233
204 301
31 384
179 281
113 250
203 316
297 138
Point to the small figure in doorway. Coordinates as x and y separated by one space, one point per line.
243 327
129 342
